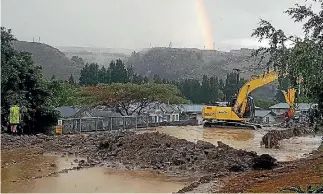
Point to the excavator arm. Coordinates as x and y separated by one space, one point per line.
254 83
290 99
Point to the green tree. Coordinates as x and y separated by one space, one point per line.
65 94
90 74
304 58
130 99
157 79
78 61
71 80
22 84
265 104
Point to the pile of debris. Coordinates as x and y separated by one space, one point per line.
146 151
272 138
167 153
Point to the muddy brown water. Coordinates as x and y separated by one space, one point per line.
291 149
18 168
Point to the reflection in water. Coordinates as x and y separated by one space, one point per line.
20 166
291 149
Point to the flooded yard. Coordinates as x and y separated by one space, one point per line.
19 169
28 170
249 140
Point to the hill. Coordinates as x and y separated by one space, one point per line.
176 63
102 56
52 61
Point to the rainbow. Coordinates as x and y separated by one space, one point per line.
205 24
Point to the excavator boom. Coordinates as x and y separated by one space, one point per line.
254 83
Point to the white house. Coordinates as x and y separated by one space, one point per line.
281 108
194 109
265 116
163 112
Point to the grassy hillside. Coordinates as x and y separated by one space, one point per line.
52 61
174 63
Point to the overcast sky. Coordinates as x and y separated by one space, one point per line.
141 23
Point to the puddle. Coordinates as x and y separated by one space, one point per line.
291 149
22 164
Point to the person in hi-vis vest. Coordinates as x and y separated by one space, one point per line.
14 118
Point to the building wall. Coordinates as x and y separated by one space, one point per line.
199 118
279 111
268 119
174 117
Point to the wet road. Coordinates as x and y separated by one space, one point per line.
20 166
291 149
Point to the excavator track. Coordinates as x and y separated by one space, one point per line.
232 125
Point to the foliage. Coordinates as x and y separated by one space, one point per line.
64 93
211 89
71 80
130 99
117 72
304 58
265 104
78 60
309 189
22 84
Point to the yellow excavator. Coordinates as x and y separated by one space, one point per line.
241 109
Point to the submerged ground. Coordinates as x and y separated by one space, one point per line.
155 162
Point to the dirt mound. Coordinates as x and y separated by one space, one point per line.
146 151
272 138
161 151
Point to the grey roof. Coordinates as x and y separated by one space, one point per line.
193 107
67 111
280 106
305 106
263 113
300 106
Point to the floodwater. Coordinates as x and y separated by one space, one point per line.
18 168
290 149
21 167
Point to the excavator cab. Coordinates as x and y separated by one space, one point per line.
250 107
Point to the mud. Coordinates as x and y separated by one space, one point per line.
273 137
31 172
151 151
303 172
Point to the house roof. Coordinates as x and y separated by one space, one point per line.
193 107
67 111
263 113
280 106
301 106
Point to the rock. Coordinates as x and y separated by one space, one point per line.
52 165
265 161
